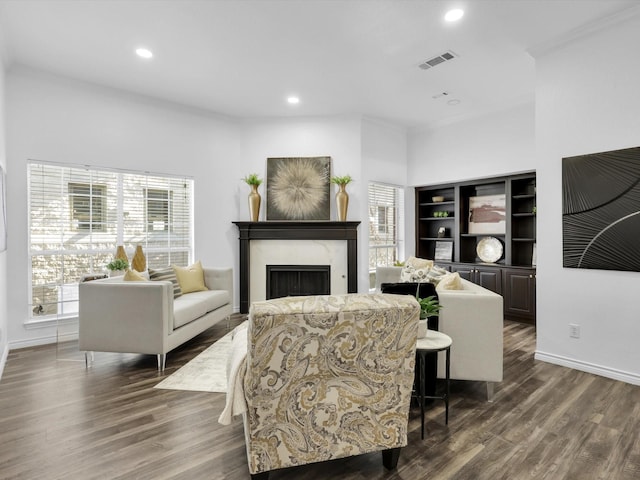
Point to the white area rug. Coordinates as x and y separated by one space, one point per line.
205 373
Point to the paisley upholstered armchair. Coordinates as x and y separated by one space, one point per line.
328 377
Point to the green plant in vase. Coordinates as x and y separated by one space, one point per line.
429 307
117 266
344 180
253 179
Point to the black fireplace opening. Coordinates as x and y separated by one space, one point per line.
298 280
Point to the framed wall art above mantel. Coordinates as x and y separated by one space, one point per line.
298 188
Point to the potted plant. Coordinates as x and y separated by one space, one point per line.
429 307
342 197
254 181
117 266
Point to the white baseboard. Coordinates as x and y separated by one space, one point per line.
3 358
33 342
627 377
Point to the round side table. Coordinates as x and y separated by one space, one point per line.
433 343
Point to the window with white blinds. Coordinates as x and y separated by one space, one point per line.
79 215
386 225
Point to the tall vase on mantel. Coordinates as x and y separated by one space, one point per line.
254 203
342 197
342 202
254 181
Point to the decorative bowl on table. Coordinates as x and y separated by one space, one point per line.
437 199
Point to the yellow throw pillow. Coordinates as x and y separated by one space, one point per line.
133 276
191 278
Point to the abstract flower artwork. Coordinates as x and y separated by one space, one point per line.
298 188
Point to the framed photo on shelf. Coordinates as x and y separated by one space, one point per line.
487 214
444 251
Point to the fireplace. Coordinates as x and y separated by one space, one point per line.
297 280
308 243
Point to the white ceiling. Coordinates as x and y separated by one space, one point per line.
244 57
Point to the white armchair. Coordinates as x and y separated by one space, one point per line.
473 318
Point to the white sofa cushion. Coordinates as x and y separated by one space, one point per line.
190 306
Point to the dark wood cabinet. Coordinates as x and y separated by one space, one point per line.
487 277
520 294
448 213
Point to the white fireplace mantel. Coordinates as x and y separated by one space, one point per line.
346 232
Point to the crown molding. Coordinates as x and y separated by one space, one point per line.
583 31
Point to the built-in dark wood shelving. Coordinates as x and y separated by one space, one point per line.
511 273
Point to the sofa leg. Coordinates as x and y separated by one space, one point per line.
390 458
260 476
88 359
162 361
490 391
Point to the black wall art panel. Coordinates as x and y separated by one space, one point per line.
601 210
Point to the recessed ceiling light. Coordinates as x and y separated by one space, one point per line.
454 15
453 101
144 52
293 100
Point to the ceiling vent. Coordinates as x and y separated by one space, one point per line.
435 61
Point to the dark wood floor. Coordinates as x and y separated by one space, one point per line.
61 421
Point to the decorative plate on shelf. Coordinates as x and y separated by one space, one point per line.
489 249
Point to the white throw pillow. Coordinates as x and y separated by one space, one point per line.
413 275
436 274
416 270
416 262
450 281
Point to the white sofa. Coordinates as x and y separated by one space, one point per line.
473 318
143 317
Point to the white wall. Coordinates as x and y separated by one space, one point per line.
4 327
55 119
497 144
337 137
384 160
58 119
586 106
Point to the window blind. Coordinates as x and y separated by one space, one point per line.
78 215
386 224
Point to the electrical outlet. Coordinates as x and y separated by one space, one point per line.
574 330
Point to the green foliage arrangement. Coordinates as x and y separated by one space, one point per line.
344 180
429 307
398 263
252 179
118 264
